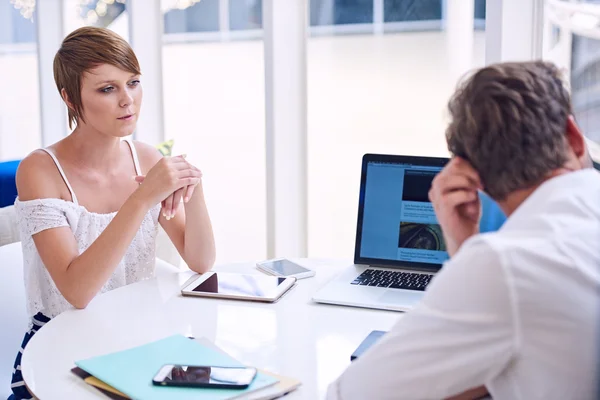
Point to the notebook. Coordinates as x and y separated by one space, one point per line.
107 390
130 371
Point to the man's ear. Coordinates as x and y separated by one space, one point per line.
575 138
65 97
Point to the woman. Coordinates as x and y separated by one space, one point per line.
87 226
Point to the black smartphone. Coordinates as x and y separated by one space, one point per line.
205 376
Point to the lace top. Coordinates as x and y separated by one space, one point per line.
34 216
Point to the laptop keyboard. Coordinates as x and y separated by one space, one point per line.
393 279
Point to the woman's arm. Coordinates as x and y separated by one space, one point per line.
79 277
190 229
199 242
191 232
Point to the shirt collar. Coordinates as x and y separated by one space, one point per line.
559 186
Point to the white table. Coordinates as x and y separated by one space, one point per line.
294 337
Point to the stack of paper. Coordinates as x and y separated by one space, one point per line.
281 388
128 374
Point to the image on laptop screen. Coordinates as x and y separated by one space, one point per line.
399 223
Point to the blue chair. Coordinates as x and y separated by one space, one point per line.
8 186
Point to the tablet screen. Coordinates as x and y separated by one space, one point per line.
240 285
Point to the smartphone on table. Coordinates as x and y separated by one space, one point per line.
204 376
284 267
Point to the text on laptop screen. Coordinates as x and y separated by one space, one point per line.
399 223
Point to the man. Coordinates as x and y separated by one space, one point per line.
514 311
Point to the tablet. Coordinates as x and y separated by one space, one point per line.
239 286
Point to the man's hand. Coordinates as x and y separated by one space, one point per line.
455 198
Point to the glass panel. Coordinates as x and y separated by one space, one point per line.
340 12
245 14
579 56
214 99
111 14
18 24
585 84
480 9
381 94
412 10
20 131
200 17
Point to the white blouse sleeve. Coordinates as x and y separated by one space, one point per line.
34 216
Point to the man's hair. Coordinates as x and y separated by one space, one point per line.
509 121
85 49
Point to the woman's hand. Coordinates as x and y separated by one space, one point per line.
170 204
169 176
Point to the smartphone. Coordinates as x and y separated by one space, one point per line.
369 341
205 376
284 267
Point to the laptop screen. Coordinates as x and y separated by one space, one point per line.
397 224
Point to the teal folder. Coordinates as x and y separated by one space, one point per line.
131 371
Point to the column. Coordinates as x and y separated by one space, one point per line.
285 26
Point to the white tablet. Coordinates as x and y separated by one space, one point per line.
239 286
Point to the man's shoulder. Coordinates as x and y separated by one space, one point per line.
489 244
494 248
483 252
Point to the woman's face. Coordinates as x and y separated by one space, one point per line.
111 99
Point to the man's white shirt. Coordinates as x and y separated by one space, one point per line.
515 310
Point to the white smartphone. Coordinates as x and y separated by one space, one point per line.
284 267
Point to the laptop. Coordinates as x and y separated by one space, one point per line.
399 243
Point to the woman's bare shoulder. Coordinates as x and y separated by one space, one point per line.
38 177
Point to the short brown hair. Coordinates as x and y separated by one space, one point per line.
509 121
82 50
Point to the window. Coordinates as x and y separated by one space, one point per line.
380 85
214 102
480 10
379 75
341 12
412 10
570 41
245 14
201 17
20 131
585 84
110 14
